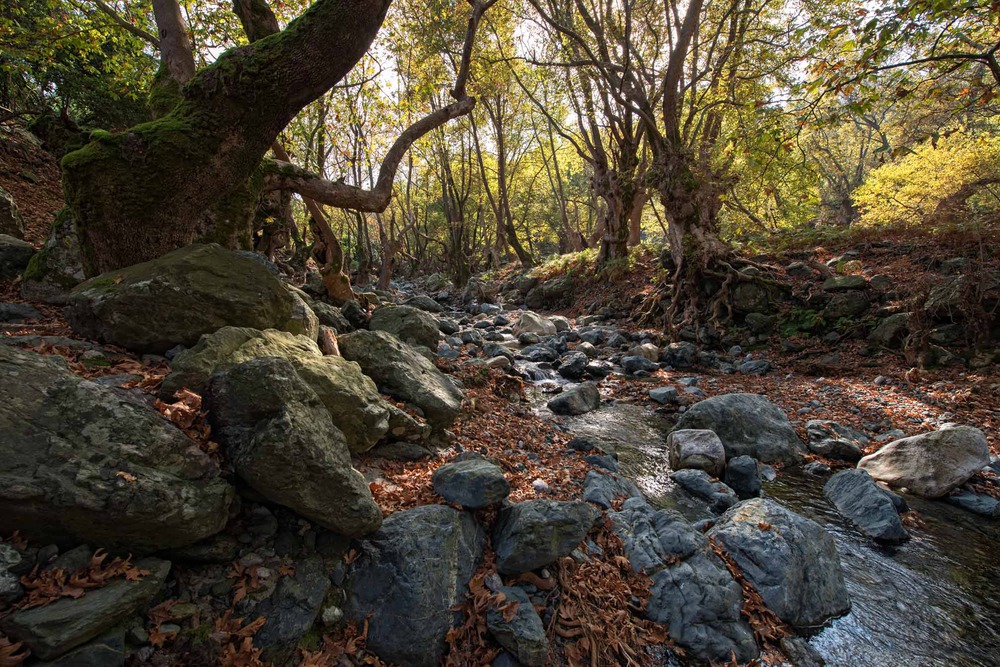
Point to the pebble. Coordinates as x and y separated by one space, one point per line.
540 486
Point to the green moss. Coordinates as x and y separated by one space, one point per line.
312 639
164 93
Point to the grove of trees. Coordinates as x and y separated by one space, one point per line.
383 138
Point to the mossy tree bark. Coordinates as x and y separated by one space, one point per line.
195 174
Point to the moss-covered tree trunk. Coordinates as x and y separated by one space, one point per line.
194 174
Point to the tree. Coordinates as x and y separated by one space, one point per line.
196 173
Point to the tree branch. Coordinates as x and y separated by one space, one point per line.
122 23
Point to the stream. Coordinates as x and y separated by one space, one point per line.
934 601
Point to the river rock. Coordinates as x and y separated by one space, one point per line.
679 355
173 300
82 463
417 566
424 302
291 610
743 476
55 629
846 304
699 484
409 324
473 483
535 533
573 365
834 441
844 283
791 561
18 312
108 650
977 503
351 397
576 400
930 464
401 372
870 508
603 489
14 256
553 293
692 593
747 424
696 448
530 322
638 364
282 442
523 635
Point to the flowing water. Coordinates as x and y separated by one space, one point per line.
932 602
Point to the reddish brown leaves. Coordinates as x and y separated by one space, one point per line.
45 586
12 654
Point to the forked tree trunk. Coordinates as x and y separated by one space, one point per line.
194 174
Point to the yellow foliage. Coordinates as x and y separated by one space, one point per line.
911 190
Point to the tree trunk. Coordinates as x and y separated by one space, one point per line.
195 174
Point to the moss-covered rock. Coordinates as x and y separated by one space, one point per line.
83 464
11 222
351 398
173 300
15 255
57 267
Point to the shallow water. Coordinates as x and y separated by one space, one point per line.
932 602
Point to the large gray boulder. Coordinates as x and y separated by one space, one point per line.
791 561
173 300
747 424
58 267
535 533
349 395
83 463
54 629
473 483
15 255
291 611
698 483
891 331
696 448
401 372
408 579
930 464
830 439
282 442
412 325
692 593
576 400
857 497
530 322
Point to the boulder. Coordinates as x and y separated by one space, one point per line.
791 561
530 322
692 593
834 441
15 255
698 483
977 503
58 267
858 498
53 630
473 483
11 222
930 464
747 424
411 325
576 400
551 294
638 364
535 533
573 365
846 304
664 395
83 463
743 476
750 297
679 355
410 577
603 489
291 610
18 312
282 442
173 300
891 331
696 448
424 302
401 372
844 283
352 398
108 650
523 634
